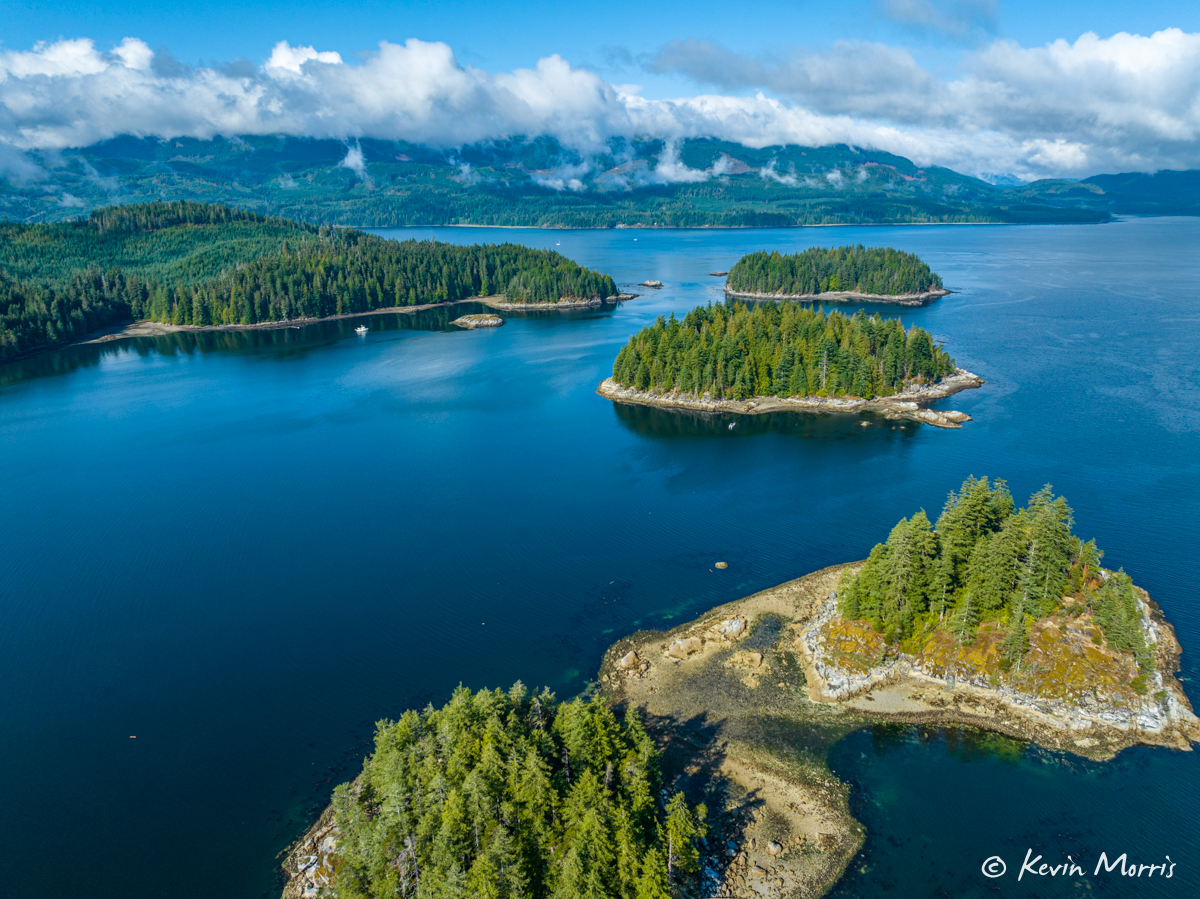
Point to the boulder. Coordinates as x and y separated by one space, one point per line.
732 628
684 647
630 661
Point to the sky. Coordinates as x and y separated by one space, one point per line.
988 87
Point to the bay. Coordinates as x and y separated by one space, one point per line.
243 549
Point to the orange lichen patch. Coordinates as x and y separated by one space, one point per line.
943 656
853 646
1068 661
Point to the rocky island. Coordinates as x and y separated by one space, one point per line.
478 320
996 618
787 357
852 274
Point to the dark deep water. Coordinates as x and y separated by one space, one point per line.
244 549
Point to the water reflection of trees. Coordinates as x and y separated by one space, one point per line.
286 340
649 421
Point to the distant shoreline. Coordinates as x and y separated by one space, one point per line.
148 328
906 405
718 227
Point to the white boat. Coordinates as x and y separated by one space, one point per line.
360 330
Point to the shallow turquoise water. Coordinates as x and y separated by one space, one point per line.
244 549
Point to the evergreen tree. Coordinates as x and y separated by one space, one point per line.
514 796
989 562
784 350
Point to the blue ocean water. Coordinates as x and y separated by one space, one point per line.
244 549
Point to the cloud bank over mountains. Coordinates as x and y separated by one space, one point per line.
1121 103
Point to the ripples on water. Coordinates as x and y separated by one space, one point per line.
245 548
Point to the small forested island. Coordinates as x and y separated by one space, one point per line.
773 357
507 794
195 265
838 274
1013 606
698 766
996 618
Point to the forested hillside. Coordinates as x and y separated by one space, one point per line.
515 796
986 561
191 264
169 242
875 270
779 349
530 182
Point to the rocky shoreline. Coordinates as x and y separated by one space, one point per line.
723 671
147 328
908 405
564 304
745 703
1098 724
845 296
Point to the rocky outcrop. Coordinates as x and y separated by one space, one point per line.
563 304
480 320
1096 722
845 296
909 404
309 865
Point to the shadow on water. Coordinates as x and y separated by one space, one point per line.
281 342
648 421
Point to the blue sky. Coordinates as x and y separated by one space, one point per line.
608 37
989 87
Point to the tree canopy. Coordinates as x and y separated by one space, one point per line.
195 264
875 270
779 349
512 795
986 560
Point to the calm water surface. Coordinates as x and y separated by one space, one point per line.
244 549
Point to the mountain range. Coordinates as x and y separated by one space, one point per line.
541 183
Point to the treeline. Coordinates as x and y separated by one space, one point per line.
515 796
987 561
877 270
337 272
192 264
156 216
33 316
779 349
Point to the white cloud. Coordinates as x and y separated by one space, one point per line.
291 59
564 177
671 170
1120 103
357 163
768 173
